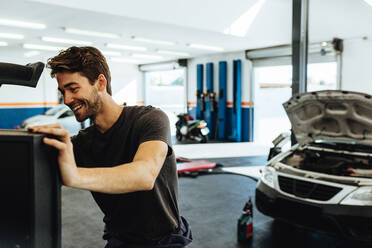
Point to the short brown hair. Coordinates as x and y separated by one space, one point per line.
89 61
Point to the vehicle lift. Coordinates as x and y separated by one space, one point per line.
222 101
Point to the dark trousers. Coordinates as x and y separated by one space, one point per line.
179 239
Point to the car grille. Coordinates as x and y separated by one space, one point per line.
305 189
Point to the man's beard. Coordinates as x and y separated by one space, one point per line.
92 106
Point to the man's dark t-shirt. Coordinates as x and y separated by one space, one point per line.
137 217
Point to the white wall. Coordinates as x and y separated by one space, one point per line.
356 76
357 65
126 83
356 69
45 92
124 78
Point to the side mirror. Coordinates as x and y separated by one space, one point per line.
278 143
282 139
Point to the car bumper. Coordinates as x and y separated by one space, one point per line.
351 222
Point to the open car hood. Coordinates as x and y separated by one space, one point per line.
334 115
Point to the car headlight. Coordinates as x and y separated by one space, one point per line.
268 176
361 197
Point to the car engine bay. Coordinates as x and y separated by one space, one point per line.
328 162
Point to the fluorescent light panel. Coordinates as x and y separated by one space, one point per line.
125 60
159 42
31 54
15 23
166 66
126 47
67 41
146 56
42 47
206 47
111 53
91 33
12 36
173 53
3 43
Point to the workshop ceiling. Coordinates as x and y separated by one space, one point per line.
226 25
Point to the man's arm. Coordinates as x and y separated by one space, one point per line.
138 175
135 176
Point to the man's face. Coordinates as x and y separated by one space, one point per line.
82 97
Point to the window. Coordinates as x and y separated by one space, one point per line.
322 76
166 78
165 90
273 88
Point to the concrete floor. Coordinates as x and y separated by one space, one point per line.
212 204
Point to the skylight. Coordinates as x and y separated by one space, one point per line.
369 2
241 25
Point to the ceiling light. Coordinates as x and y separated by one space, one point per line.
91 33
160 42
111 53
369 2
14 23
165 66
126 47
3 43
206 47
146 56
124 60
173 53
42 47
12 36
68 41
31 54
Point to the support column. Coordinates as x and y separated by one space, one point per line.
300 13
299 45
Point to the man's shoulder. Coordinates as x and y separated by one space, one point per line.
142 111
138 108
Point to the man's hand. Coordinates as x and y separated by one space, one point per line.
138 175
66 159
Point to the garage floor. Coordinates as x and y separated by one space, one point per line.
212 204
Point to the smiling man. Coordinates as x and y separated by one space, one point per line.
125 158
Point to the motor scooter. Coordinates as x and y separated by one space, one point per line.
187 127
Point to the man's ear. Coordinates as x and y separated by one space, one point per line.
101 82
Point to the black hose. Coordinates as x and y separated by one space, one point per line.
194 174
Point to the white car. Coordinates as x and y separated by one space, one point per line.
58 114
314 184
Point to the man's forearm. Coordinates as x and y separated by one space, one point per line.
120 179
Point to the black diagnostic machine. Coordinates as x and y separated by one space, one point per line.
30 188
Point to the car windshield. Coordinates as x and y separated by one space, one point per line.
53 111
